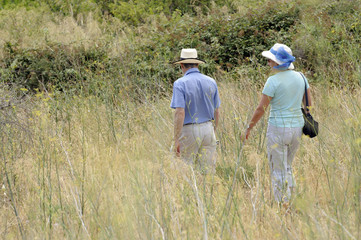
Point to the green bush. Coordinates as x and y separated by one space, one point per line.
53 66
224 40
236 40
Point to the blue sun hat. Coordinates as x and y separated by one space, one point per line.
282 55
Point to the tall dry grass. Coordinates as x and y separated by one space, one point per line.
101 166
97 169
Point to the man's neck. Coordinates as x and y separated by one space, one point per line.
186 69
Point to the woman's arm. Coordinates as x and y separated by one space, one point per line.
258 113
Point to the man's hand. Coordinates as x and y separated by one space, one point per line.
216 118
179 115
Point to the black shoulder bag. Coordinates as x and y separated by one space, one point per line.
311 126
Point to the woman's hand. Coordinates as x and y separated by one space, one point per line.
177 148
246 134
258 113
248 131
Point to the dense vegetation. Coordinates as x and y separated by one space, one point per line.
148 36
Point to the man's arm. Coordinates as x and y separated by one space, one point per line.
216 118
179 115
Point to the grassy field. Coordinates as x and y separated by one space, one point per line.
86 129
83 168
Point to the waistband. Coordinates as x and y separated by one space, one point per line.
196 123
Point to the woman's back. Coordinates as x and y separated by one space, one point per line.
286 89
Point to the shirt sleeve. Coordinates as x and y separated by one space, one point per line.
216 100
269 88
178 98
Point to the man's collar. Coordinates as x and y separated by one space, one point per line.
192 70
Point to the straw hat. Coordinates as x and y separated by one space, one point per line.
189 55
281 54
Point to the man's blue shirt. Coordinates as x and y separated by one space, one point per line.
197 94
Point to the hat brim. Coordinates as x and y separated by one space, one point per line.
190 60
269 55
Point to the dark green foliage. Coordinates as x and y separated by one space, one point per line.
235 40
224 42
56 66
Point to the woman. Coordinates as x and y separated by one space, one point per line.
284 90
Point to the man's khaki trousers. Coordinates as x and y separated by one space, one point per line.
198 146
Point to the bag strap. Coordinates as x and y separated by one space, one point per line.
305 91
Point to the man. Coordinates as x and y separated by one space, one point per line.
196 103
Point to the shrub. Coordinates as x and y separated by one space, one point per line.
223 39
52 66
236 39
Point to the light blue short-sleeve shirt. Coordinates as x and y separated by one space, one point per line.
197 94
286 89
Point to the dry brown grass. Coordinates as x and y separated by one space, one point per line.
77 179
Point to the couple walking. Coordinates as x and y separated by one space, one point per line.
196 102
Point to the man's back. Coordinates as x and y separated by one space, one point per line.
198 95
196 102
